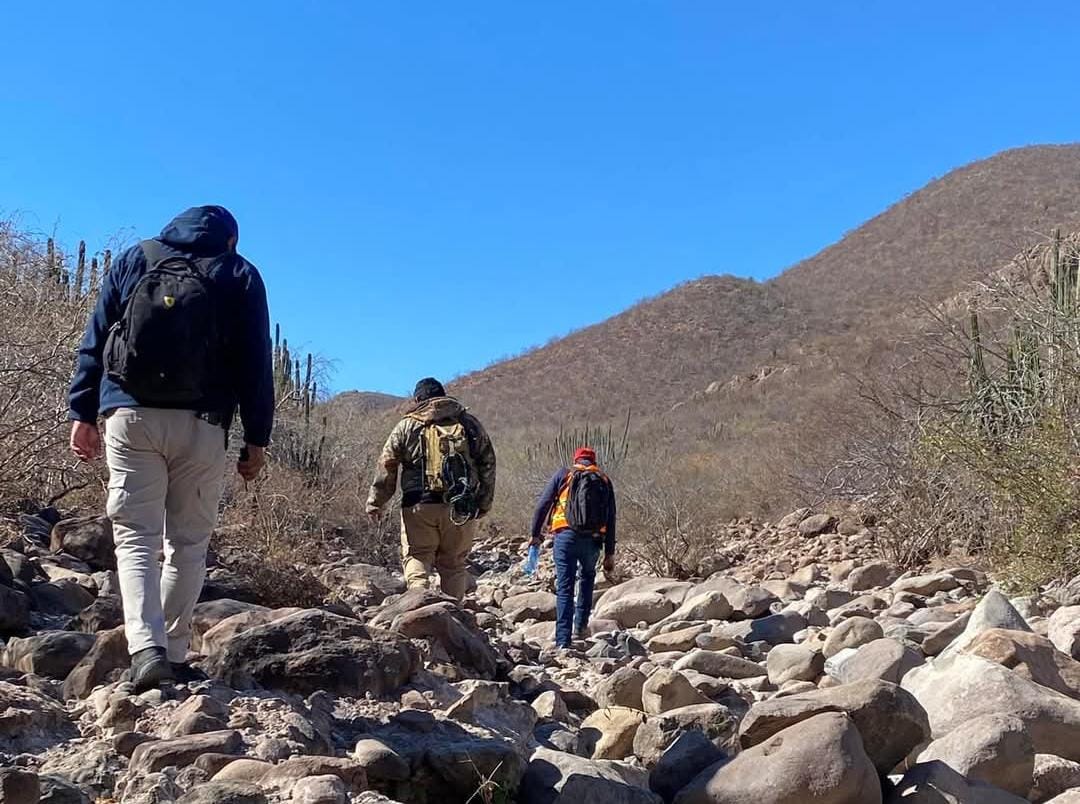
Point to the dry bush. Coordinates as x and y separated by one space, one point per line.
44 303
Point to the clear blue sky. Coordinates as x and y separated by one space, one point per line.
430 186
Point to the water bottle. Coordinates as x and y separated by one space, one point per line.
532 561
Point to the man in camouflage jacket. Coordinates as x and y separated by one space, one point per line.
431 537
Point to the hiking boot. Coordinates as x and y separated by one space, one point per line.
184 673
149 669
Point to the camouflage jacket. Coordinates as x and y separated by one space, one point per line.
404 449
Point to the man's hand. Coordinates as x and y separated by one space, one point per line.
609 564
252 460
86 440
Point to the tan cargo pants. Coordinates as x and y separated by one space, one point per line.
429 540
166 474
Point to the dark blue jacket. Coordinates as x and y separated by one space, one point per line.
550 495
201 232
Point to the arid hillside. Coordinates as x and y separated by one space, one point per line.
661 352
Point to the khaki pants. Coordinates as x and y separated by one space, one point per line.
166 473
429 540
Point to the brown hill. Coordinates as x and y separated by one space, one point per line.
665 350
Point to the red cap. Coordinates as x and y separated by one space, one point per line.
585 454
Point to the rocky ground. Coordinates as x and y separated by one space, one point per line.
798 668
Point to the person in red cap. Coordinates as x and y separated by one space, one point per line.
578 508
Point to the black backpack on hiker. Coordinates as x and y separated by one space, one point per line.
165 349
588 501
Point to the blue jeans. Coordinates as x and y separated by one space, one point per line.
574 550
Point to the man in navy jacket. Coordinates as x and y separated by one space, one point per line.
573 551
167 462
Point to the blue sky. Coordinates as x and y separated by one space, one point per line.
428 187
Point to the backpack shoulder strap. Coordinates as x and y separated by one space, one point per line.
153 252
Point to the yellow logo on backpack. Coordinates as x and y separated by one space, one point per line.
442 441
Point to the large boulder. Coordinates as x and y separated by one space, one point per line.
314 650
31 720
679 640
816 524
105 613
154 755
1032 656
64 596
794 663
19 786
609 733
995 749
884 659
629 610
14 611
361 585
716 721
1064 630
993 611
926 585
215 639
675 591
890 720
852 633
775 629
453 635
529 606
209 613
710 605
557 778
1053 775
88 538
821 759
621 688
874 575
52 654
956 689
719 665
106 659
686 757
488 704
937 783
668 689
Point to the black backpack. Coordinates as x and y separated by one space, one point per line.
588 503
165 349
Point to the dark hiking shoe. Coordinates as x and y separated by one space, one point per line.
184 673
150 669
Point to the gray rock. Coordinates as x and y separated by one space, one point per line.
454 637
686 757
937 783
884 659
890 719
89 539
940 638
875 575
153 756
1064 630
821 759
719 665
956 689
668 689
993 611
817 524
629 610
1053 775
223 793
529 606
794 663
852 633
14 611
717 722
31 720
19 786
621 688
556 778
995 749
315 650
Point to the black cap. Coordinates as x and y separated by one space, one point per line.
428 388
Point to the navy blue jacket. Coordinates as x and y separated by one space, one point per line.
201 232
550 495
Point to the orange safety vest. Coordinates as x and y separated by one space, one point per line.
558 511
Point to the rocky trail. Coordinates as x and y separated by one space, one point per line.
797 668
